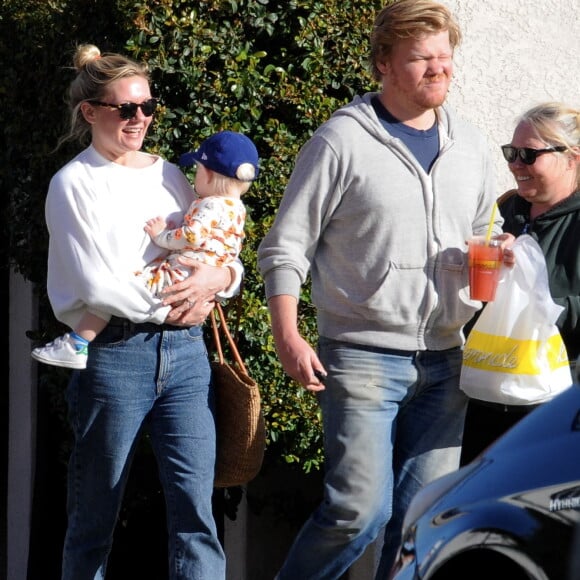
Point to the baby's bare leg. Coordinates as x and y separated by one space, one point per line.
89 326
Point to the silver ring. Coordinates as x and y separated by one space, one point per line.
191 302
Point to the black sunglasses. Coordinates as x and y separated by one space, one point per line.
526 154
129 110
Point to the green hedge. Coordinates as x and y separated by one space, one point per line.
274 70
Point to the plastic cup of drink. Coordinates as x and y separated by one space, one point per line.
485 259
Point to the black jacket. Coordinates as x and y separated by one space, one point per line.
558 233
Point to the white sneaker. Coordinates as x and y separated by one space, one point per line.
61 353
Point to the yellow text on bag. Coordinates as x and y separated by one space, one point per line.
509 355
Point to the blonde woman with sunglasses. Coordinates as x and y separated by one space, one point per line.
148 369
544 158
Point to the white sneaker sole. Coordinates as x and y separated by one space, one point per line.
59 363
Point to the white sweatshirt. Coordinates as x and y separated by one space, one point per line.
95 213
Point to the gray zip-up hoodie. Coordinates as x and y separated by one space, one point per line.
384 241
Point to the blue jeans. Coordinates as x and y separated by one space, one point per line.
393 421
157 381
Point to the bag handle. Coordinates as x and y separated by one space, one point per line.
237 303
224 327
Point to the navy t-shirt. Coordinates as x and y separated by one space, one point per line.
424 145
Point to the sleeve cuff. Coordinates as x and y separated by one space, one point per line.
238 273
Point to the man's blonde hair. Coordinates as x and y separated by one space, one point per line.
408 19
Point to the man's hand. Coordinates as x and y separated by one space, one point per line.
296 355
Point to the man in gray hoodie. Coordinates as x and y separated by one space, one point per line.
378 209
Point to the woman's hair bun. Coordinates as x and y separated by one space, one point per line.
85 54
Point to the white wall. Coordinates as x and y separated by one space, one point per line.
514 55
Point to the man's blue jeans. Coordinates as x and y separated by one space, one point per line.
159 381
393 421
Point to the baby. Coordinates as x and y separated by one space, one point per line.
212 231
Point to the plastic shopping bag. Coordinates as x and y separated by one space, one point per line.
514 354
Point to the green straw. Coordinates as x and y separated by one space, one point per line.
490 227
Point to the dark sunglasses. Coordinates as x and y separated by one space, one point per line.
129 110
526 154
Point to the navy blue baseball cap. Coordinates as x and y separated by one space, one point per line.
223 153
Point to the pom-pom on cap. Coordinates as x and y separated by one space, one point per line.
224 153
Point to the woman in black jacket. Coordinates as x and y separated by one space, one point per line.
544 158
